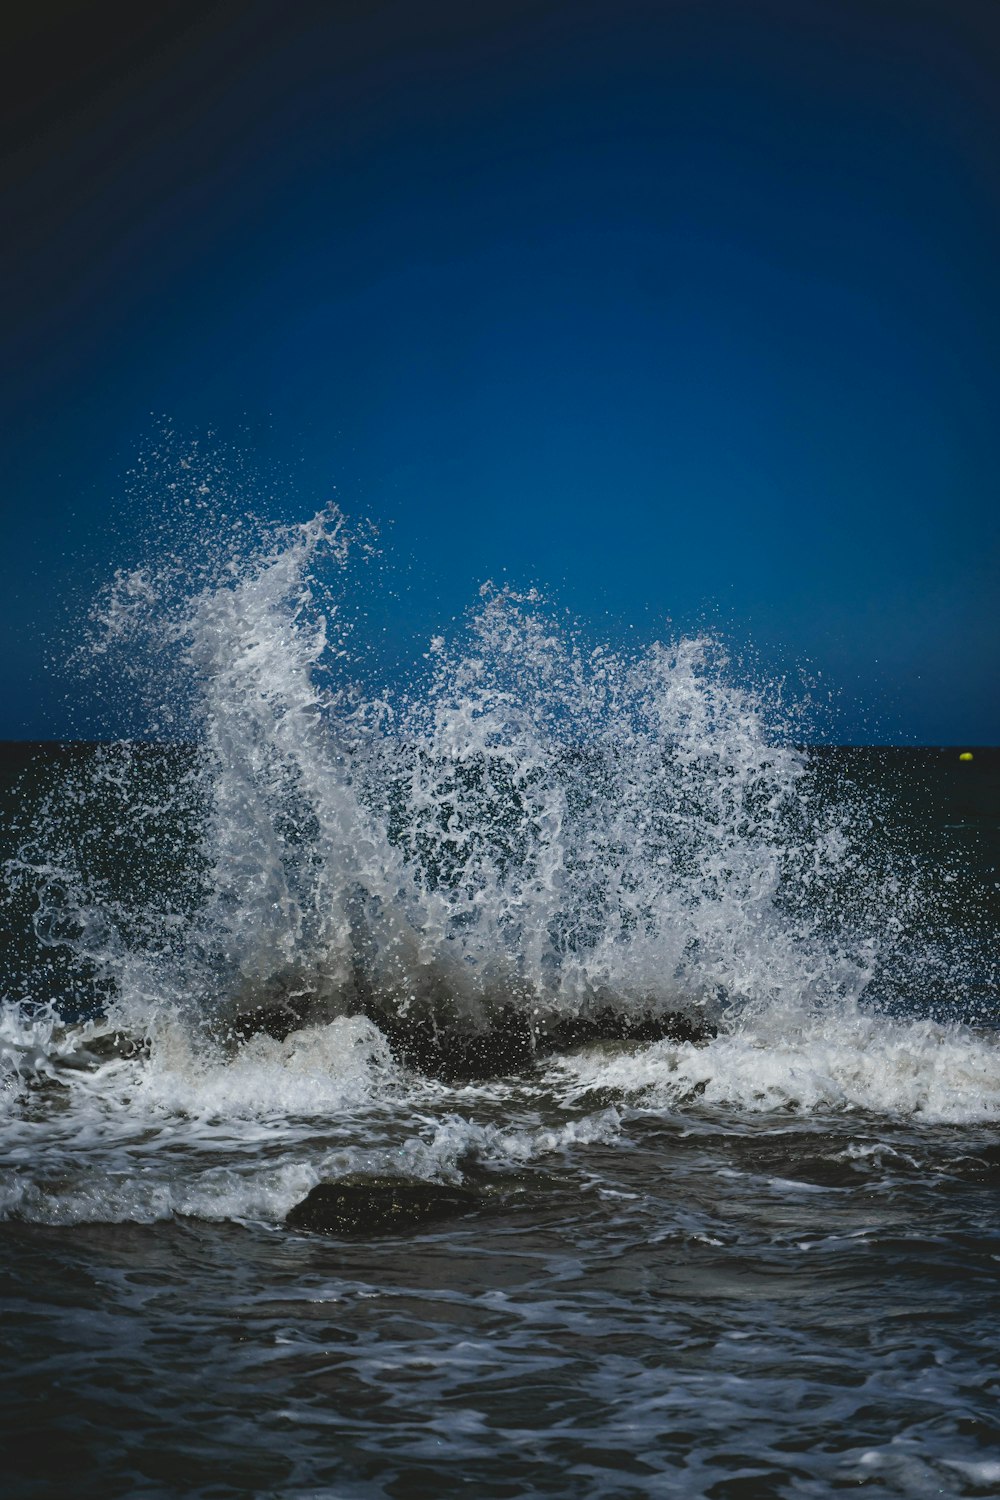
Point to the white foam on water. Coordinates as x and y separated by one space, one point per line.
316 1071
176 1129
185 1131
983 1473
917 1069
456 1138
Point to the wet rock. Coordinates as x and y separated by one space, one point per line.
458 1054
361 1204
435 1039
611 1025
510 1043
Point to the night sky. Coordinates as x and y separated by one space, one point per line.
686 310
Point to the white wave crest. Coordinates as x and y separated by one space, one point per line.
921 1070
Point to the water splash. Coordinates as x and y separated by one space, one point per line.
544 827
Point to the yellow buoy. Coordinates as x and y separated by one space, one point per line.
965 755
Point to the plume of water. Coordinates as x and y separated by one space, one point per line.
545 823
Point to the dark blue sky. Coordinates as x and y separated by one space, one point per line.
685 309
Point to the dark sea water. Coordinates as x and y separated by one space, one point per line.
760 1261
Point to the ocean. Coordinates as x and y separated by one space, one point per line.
701 1019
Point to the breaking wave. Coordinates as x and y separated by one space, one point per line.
539 833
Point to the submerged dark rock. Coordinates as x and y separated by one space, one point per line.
362 1204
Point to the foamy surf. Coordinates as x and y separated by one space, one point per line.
918 1071
174 1131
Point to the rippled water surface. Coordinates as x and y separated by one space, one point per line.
700 1303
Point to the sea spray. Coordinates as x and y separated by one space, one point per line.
542 823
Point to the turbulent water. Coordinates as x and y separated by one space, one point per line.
736 1130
